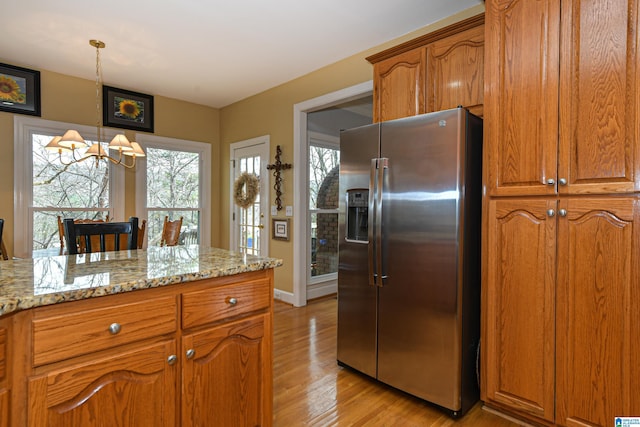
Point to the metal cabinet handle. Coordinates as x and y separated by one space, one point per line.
551 181
114 328
190 353
551 212
171 360
562 181
562 212
232 301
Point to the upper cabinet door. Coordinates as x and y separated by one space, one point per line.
521 96
455 72
398 89
599 97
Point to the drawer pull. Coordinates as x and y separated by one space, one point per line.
232 301
114 328
171 360
190 353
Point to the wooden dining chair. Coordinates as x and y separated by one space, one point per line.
106 231
170 232
61 229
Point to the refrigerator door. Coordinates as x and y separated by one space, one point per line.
418 325
357 299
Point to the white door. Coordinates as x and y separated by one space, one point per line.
250 225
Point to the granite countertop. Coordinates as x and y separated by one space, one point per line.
29 283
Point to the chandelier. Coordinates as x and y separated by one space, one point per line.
72 142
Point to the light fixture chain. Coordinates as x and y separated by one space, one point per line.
98 97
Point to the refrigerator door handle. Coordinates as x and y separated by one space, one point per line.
371 221
383 164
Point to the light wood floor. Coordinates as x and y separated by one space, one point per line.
310 389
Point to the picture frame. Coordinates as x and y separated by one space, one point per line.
126 109
19 90
280 229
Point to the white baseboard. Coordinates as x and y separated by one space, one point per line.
283 296
313 291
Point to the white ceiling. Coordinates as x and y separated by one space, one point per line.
210 52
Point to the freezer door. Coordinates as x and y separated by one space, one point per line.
418 325
357 303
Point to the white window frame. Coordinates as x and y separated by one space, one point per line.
203 149
23 129
327 281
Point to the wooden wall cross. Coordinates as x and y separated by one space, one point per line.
277 167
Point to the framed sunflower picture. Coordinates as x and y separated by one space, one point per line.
19 90
126 109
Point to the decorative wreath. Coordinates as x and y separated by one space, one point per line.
246 189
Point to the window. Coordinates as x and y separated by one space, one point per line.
324 174
46 189
174 181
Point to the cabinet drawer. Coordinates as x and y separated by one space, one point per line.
210 305
72 334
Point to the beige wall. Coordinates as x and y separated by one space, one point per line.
271 113
70 99
73 100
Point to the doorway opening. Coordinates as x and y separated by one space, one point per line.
317 125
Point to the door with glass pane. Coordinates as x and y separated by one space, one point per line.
250 226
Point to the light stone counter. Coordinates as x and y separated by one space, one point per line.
29 283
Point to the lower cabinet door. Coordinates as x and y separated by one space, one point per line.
130 388
4 408
227 375
518 318
598 309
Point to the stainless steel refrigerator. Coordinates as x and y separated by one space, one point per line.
409 255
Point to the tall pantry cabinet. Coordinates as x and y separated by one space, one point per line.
561 280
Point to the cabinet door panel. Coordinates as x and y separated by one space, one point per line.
598 327
134 388
226 381
518 337
4 408
455 72
599 92
521 95
399 87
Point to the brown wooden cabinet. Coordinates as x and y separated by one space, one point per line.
138 386
4 389
519 305
231 356
598 311
560 274
197 353
438 71
399 86
562 117
455 72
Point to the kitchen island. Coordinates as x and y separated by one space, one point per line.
171 336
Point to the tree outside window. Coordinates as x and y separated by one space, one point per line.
78 190
173 190
323 205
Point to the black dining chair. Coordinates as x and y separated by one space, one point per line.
107 235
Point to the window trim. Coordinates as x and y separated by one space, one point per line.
330 142
23 129
166 143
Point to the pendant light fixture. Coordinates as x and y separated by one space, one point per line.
72 142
